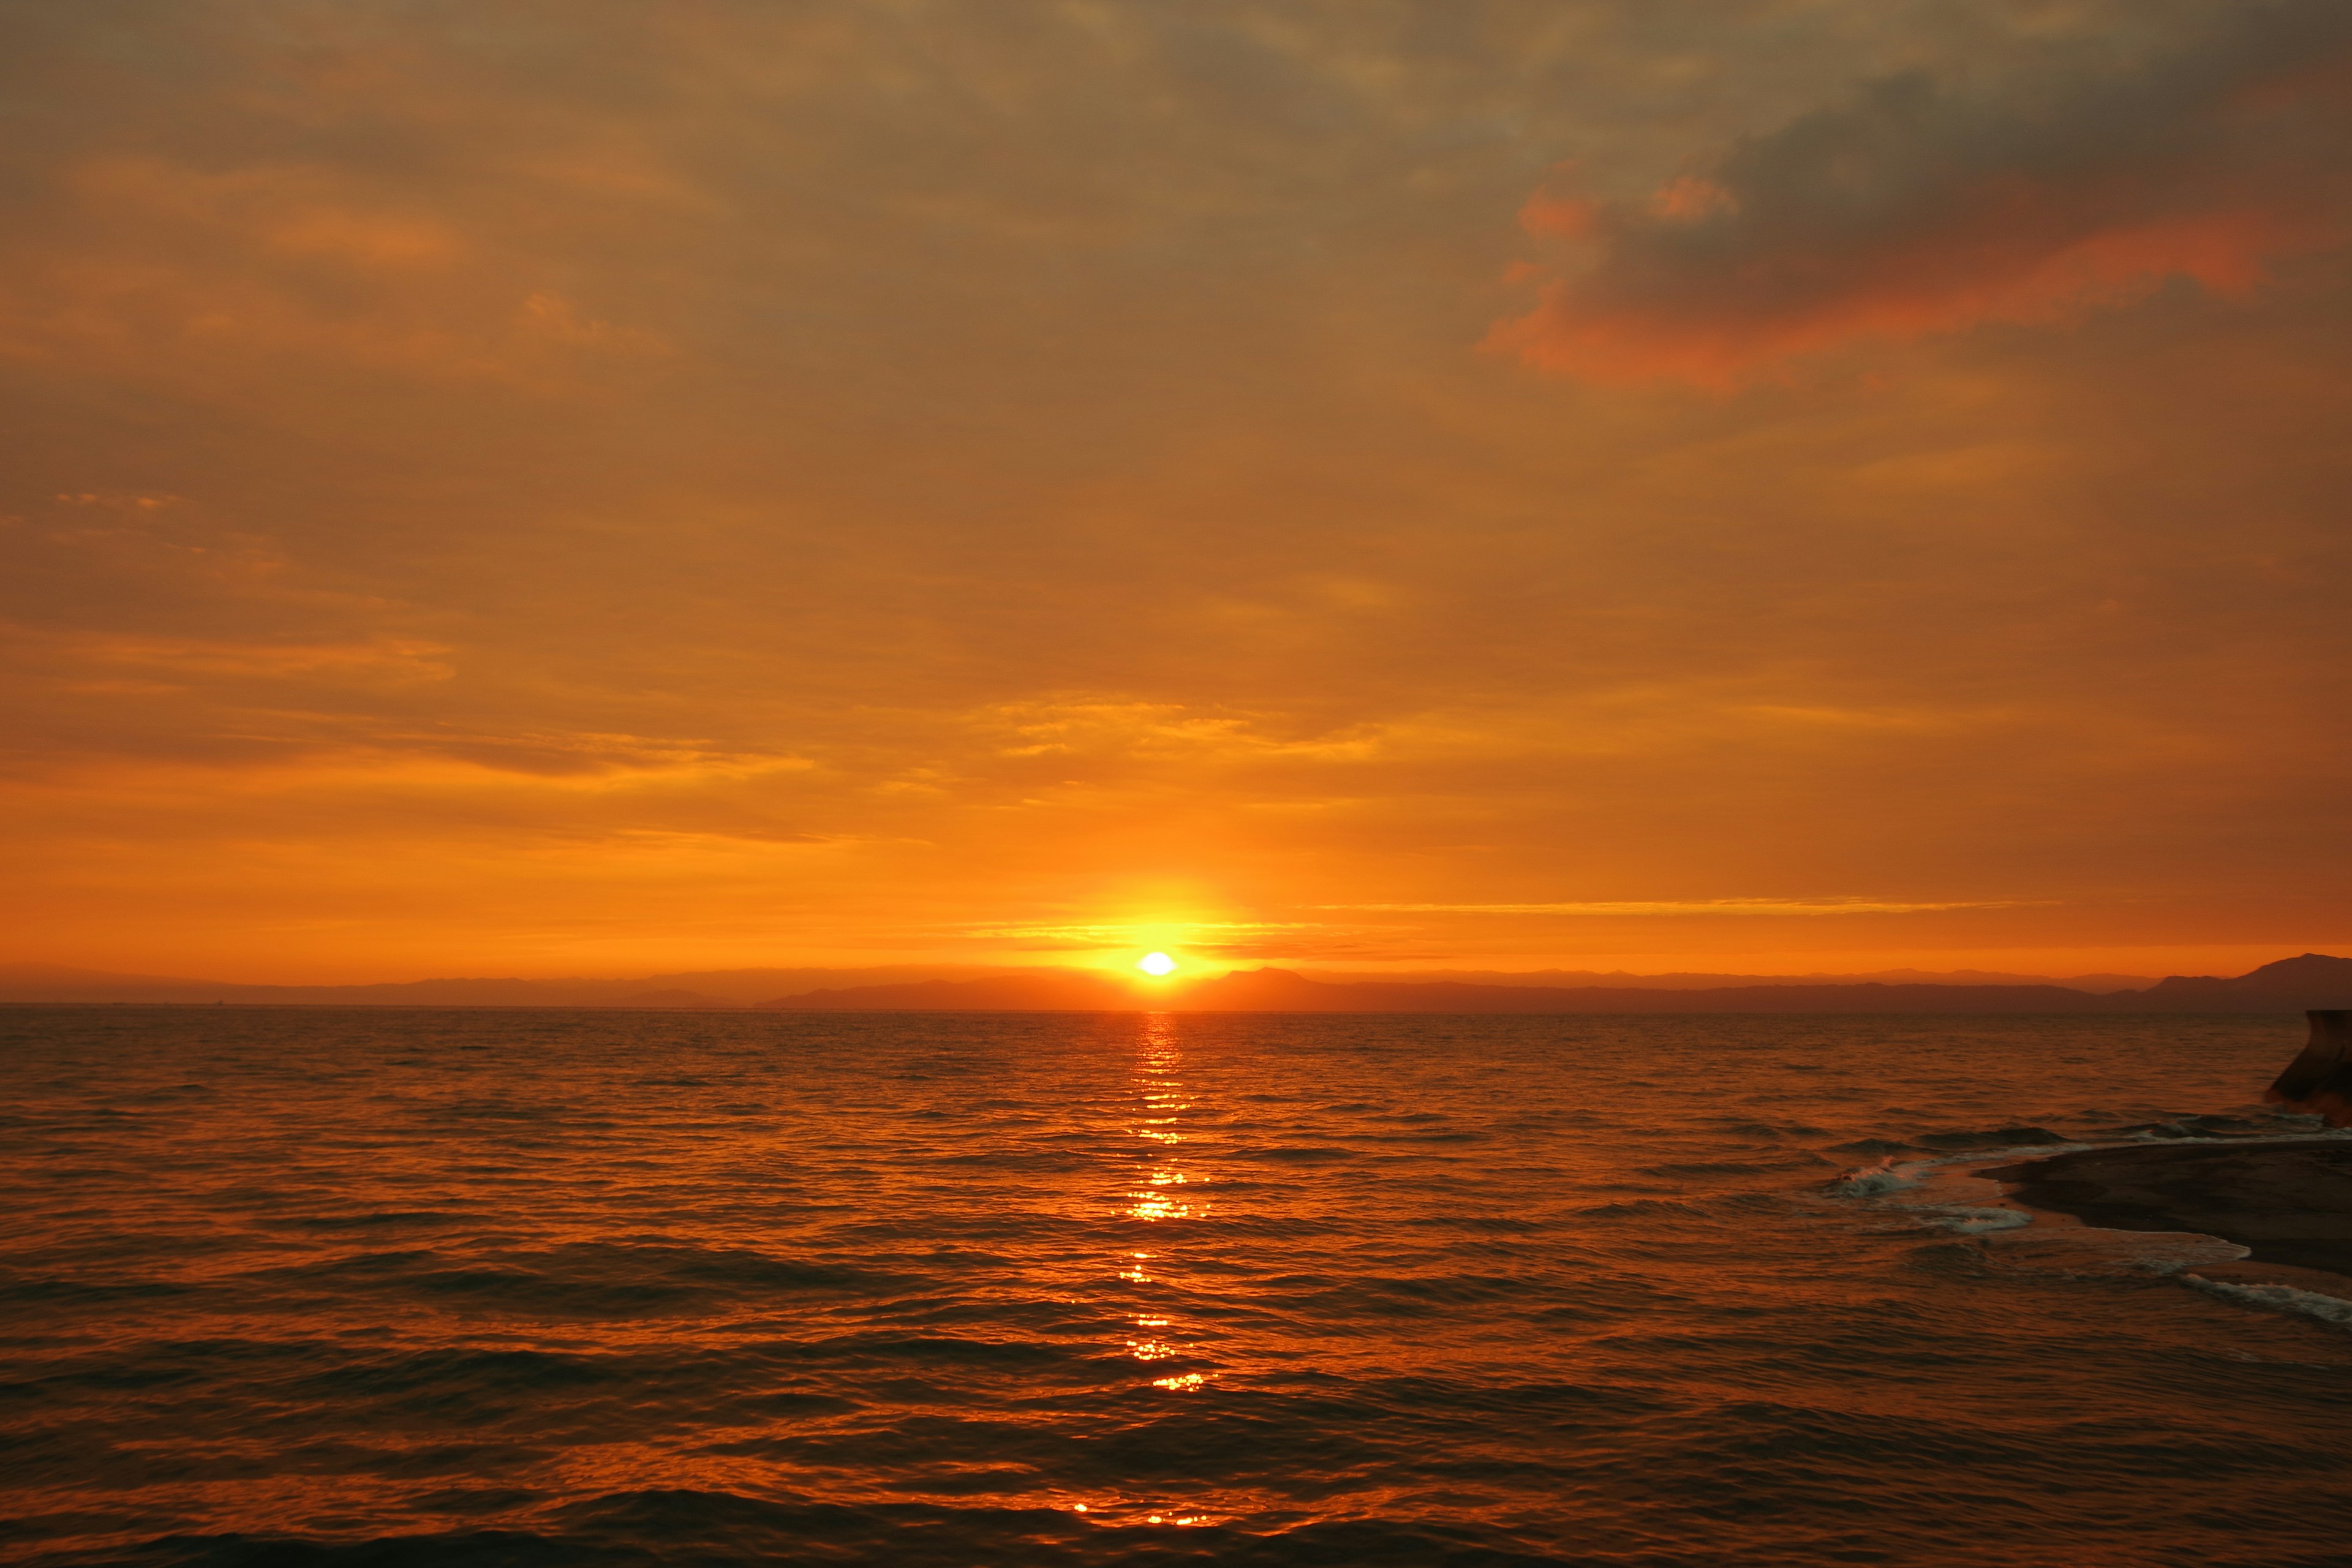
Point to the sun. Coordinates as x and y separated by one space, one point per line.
1156 964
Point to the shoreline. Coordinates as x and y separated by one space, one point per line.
2288 1203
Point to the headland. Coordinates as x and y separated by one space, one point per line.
2287 1200
2289 1203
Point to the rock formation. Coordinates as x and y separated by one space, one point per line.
2320 1078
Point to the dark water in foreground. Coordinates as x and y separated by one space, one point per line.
294 1287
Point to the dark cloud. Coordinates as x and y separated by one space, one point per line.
1929 206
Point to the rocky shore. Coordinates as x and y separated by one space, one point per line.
2289 1203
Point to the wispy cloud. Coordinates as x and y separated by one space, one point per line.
1100 726
1687 907
1118 933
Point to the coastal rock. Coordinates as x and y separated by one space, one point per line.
2320 1078
2288 1203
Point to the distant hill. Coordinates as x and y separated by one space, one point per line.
2312 980
1282 991
1703 980
44 983
1071 993
705 989
1274 990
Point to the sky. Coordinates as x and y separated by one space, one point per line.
1752 485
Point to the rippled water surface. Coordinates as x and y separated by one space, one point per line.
291 1287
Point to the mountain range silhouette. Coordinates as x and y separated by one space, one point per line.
2312 980
2290 985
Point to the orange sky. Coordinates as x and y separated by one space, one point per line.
590 488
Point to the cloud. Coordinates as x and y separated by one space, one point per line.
1684 907
1111 726
162 268
1927 205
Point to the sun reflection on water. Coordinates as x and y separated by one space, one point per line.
1164 1191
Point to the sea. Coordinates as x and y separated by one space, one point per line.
294 1287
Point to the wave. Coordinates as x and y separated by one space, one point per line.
2327 1308
637 1529
1927 1191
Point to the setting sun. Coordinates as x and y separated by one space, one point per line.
1156 964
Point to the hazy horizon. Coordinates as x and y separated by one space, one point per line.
1112 970
1190 971
757 985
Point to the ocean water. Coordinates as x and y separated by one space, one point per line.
294 1287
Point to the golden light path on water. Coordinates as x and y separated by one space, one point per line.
1163 1194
